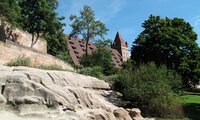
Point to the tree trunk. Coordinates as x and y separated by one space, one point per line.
86 53
33 36
34 41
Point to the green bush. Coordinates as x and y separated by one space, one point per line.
95 71
20 61
100 57
65 57
152 90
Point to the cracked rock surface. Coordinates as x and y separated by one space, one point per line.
28 93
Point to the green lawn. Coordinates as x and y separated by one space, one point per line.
191 99
192 106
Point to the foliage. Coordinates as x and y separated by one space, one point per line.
10 11
40 19
20 61
100 57
170 42
87 26
38 16
103 43
57 42
95 71
111 79
152 89
65 57
129 65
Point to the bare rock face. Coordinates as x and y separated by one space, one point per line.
135 114
28 93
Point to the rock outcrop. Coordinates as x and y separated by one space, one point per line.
28 93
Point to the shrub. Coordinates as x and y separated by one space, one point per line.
100 57
111 78
20 61
65 57
152 90
95 71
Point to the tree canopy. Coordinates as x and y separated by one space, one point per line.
87 26
37 16
9 11
170 42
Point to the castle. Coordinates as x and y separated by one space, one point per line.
13 48
119 50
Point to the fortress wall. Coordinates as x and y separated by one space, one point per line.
21 37
10 50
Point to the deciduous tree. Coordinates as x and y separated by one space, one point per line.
37 16
10 11
87 26
170 42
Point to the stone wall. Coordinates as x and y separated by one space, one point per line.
10 50
22 38
25 39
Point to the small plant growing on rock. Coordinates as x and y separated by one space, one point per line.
20 61
52 67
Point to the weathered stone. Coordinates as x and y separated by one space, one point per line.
10 51
58 95
121 114
2 99
135 114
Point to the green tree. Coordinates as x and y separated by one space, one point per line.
101 57
37 16
170 42
56 40
40 19
10 11
87 26
103 43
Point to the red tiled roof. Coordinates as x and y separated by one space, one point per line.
118 38
77 49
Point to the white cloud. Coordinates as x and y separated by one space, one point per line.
105 10
196 21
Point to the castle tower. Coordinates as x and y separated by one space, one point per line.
121 46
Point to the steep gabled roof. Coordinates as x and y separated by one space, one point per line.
118 38
77 49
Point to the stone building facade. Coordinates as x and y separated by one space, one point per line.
121 46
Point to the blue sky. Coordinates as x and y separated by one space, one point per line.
126 16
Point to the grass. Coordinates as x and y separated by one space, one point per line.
192 106
26 61
51 67
20 61
187 99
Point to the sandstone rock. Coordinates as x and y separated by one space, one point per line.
50 95
121 114
2 99
135 114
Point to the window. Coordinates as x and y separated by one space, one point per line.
76 52
71 42
73 47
